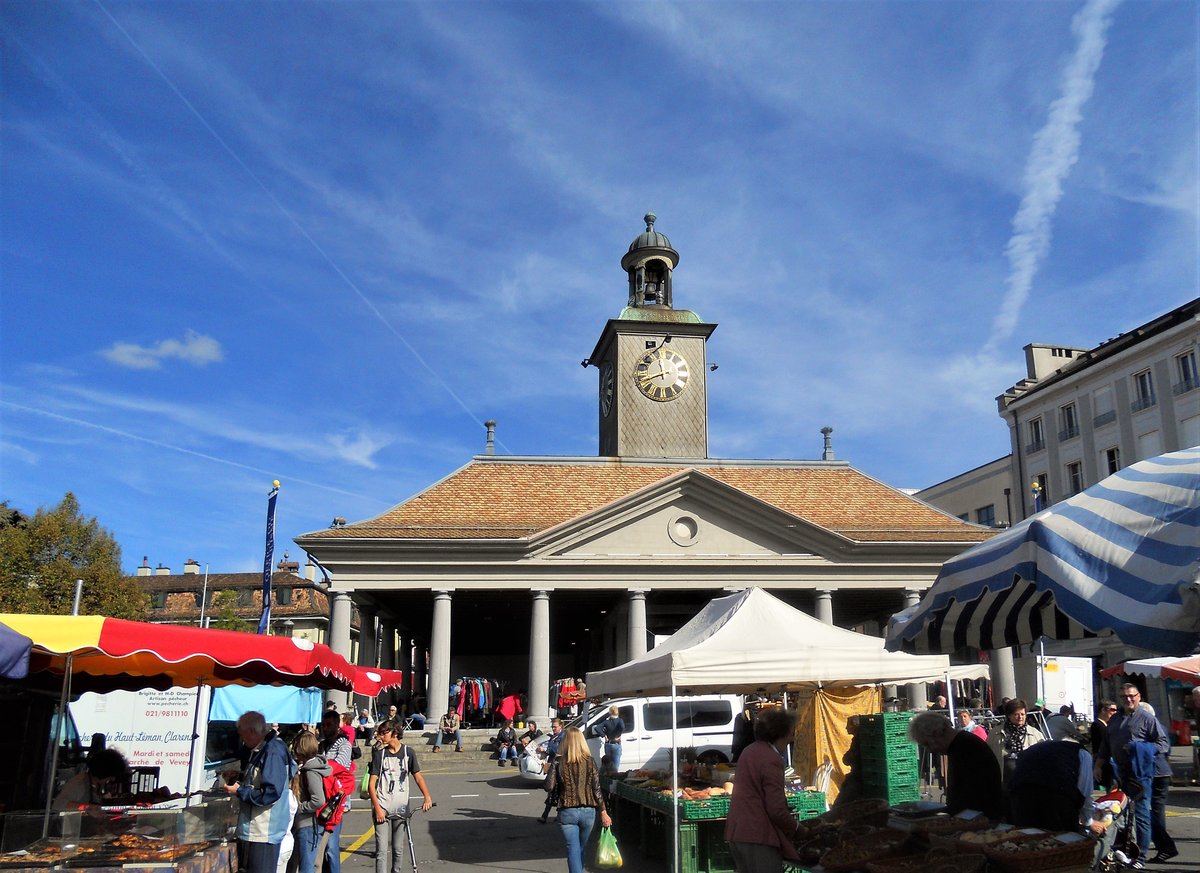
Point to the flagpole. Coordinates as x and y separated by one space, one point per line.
264 620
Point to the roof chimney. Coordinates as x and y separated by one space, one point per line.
310 570
144 570
191 567
827 452
160 570
490 448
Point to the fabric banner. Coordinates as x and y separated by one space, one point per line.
264 620
821 733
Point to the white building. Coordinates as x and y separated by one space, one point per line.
982 495
1082 414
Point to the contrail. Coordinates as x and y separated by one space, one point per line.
1055 151
141 439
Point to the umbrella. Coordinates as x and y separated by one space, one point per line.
1122 556
112 653
1183 669
14 654
373 681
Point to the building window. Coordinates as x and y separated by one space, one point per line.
1186 372
283 596
199 597
966 516
1143 391
986 515
1037 437
1069 417
1112 460
1102 406
1075 476
158 600
245 597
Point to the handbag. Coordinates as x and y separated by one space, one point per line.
607 853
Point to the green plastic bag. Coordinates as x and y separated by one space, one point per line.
607 853
363 791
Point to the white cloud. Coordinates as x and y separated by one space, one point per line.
194 348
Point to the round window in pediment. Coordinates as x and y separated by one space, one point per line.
683 529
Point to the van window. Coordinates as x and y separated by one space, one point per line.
708 713
691 714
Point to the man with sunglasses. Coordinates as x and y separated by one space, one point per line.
1134 740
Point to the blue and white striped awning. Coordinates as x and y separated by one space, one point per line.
1122 556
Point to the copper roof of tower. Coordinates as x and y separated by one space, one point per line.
650 238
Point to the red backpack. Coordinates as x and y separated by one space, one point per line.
339 786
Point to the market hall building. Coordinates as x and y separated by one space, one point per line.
529 570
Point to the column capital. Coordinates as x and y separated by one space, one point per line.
540 593
638 593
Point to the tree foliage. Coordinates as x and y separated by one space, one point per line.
42 555
225 605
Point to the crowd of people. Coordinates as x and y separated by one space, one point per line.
282 792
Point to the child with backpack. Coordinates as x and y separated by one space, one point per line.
391 768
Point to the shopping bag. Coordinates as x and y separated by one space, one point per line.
363 784
607 853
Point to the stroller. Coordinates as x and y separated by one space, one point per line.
1118 846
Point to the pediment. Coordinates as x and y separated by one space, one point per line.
684 517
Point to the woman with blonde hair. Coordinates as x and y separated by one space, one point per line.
576 782
310 789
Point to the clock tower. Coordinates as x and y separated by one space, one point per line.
653 399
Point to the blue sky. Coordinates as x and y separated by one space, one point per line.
322 242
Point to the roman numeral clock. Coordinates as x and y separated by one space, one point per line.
652 365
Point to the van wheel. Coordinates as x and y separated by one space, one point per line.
711 757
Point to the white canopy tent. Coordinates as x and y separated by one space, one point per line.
753 642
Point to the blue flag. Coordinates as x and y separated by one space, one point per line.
264 620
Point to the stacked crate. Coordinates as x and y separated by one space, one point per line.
888 758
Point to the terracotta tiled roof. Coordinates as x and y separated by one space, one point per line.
512 500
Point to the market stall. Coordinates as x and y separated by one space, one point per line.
752 642
137 827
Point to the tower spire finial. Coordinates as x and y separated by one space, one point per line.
649 218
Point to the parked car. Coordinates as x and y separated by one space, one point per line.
704 723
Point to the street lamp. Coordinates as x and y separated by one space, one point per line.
288 626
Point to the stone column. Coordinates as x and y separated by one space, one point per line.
917 697
825 605
387 643
438 683
340 608
637 623
539 659
420 682
367 654
1004 674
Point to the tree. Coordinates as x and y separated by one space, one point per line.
42 555
225 604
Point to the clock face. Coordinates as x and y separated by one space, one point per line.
661 374
607 387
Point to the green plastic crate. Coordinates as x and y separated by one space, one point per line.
893 794
807 804
717 857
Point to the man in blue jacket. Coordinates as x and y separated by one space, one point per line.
265 816
1133 740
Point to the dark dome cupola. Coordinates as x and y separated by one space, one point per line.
649 263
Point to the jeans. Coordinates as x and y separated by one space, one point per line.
576 823
509 752
1158 815
457 739
307 840
390 843
257 857
613 750
1141 817
333 851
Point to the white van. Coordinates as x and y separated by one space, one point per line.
704 723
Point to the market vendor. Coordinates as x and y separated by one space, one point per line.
1014 736
973 774
1051 787
107 772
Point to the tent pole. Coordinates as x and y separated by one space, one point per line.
187 790
949 696
789 748
674 783
62 719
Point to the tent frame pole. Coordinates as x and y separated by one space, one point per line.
674 782
60 727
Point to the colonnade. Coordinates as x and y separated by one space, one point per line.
437 683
